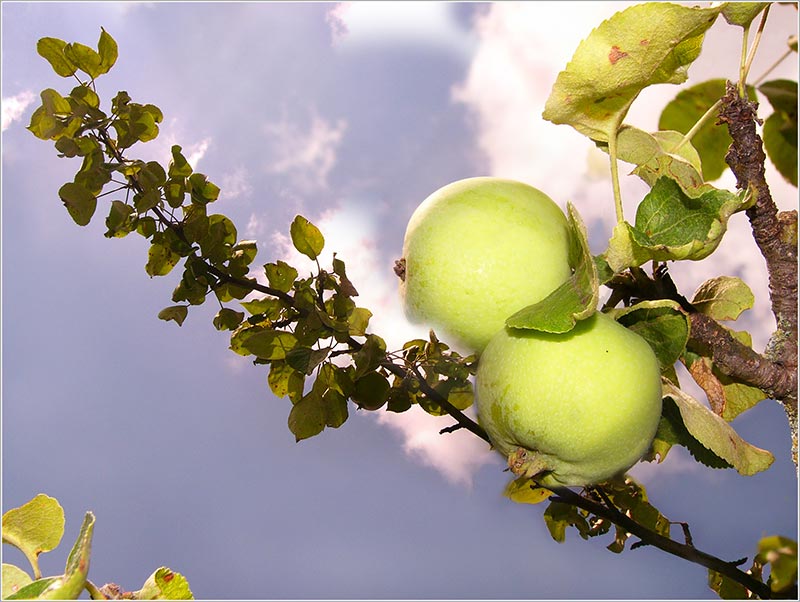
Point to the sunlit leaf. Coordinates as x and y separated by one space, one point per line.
723 298
524 491
35 527
79 201
84 58
307 416
576 299
718 436
14 579
742 13
165 584
160 258
781 554
671 225
646 44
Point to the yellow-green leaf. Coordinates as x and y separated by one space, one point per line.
34 527
646 44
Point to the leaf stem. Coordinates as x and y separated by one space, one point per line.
748 62
612 154
712 112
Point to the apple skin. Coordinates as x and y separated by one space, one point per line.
574 408
478 250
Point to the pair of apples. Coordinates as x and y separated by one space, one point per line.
569 409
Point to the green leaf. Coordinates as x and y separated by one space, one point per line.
119 221
727 588
345 286
160 258
780 128
662 324
358 321
723 298
77 564
270 344
646 44
711 140
52 50
177 313
165 584
84 58
781 554
283 380
655 155
559 516
742 13
524 490
228 319
203 191
179 167
108 51
306 237
307 417
371 391
281 275
718 436
35 527
14 579
37 590
79 201
576 299
305 360
671 225
369 357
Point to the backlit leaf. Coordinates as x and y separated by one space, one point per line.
306 237
307 416
52 50
270 344
107 48
781 554
160 259
84 58
176 313
79 201
281 275
646 44
371 391
228 319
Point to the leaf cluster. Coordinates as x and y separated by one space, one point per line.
38 526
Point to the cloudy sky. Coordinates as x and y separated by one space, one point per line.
349 114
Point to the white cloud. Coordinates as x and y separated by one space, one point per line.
236 183
14 107
355 24
304 153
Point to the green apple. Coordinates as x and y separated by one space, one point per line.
570 409
478 250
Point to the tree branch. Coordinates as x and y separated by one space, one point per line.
775 234
648 537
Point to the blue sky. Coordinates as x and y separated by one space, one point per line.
350 115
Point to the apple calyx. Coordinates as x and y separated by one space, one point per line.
526 463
